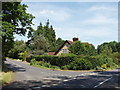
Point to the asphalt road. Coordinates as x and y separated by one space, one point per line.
29 77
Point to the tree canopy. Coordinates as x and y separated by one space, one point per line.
80 48
15 20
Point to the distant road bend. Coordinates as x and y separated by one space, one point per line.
29 77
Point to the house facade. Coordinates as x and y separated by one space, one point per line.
65 46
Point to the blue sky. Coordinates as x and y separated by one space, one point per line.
89 21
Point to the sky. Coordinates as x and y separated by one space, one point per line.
93 22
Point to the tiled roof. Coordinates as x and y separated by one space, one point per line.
51 53
71 42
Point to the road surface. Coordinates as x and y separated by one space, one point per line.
29 77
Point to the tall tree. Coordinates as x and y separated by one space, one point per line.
49 33
15 20
38 45
80 48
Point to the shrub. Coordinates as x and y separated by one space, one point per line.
24 55
66 67
104 66
80 64
116 58
55 60
46 64
40 63
33 62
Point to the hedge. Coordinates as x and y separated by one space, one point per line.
75 62
53 60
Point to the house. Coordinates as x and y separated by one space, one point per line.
65 46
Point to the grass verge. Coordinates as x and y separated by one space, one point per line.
6 76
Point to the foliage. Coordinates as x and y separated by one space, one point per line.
24 55
58 44
79 48
32 62
108 47
19 47
48 32
38 45
75 62
116 58
15 20
55 60
43 64
80 64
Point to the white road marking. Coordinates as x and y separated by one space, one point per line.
102 82
45 86
65 80
51 79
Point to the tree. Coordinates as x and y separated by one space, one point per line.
15 20
49 33
18 47
113 45
79 48
58 43
38 45
118 47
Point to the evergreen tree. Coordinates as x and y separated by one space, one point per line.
49 33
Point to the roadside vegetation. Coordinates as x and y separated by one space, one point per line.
6 76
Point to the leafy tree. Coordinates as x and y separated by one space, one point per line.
48 32
118 47
38 45
79 48
113 46
58 43
18 47
15 20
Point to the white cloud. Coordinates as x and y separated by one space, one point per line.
52 12
54 15
102 8
101 19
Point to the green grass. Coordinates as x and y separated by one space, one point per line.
43 67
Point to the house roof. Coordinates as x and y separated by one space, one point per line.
70 42
67 41
51 53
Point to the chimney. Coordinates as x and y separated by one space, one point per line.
75 39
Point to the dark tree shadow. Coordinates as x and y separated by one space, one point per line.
65 82
15 68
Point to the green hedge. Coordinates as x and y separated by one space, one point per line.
75 62
55 60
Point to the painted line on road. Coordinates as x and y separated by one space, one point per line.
102 82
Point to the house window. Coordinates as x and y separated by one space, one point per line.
65 50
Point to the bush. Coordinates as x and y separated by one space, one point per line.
66 67
40 63
33 62
55 60
104 66
71 61
46 64
116 58
80 64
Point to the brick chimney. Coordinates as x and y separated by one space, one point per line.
75 39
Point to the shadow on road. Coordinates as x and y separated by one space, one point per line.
69 82
15 68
